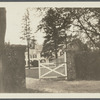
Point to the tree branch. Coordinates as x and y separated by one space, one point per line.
82 27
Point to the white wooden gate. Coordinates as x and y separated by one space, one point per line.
51 70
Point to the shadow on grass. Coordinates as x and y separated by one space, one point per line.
28 90
34 91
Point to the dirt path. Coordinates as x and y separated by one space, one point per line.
62 86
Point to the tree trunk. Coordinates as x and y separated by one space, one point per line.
28 54
56 54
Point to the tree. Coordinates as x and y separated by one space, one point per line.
54 24
26 30
57 21
87 21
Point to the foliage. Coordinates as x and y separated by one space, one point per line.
26 26
87 65
87 23
78 43
82 22
27 34
14 68
10 54
54 24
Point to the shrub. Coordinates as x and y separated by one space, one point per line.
13 68
87 65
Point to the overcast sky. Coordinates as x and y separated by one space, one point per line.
14 27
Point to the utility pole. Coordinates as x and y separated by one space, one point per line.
28 47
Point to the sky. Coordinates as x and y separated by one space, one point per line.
14 25
15 11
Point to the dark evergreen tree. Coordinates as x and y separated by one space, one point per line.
26 32
54 24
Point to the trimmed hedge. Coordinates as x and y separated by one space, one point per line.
14 68
71 74
87 65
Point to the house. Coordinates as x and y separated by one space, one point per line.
76 45
35 56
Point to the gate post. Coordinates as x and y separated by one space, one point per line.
65 61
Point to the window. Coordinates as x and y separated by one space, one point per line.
34 56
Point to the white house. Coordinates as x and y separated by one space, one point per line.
35 56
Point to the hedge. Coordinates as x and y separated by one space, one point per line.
14 68
87 65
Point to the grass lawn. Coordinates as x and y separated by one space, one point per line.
62 86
